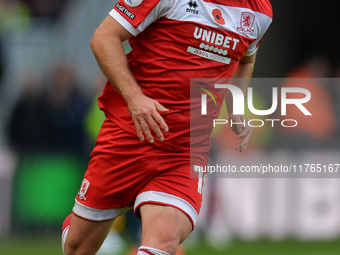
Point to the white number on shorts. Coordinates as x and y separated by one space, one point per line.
199 170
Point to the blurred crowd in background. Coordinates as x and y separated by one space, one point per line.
49 119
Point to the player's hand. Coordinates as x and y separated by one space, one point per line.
243 131
145 114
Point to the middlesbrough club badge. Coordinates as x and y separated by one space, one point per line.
83 189
247 22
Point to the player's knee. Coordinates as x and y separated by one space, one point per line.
169 247
68 250
77 251
76 248
71 248
167 242
164 235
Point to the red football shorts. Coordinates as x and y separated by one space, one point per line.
124 173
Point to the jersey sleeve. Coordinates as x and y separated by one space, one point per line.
263 24
136 15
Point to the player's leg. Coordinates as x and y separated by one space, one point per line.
84 237
170 203
163 229
109 187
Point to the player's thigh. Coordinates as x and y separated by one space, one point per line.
164 227
85 237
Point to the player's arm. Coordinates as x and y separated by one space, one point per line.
107 47
244 70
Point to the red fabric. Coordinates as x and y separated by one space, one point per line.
67 222
168 53
140 12
121 166
169 84
263 6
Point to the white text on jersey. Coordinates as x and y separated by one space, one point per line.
217 39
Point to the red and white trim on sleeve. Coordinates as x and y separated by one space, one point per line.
121 20
249 19
139 17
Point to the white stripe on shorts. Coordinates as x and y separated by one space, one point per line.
167 199
98 214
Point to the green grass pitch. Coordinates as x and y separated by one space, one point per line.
51 246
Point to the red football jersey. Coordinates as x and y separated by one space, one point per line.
179 40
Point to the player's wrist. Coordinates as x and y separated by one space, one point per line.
132 95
